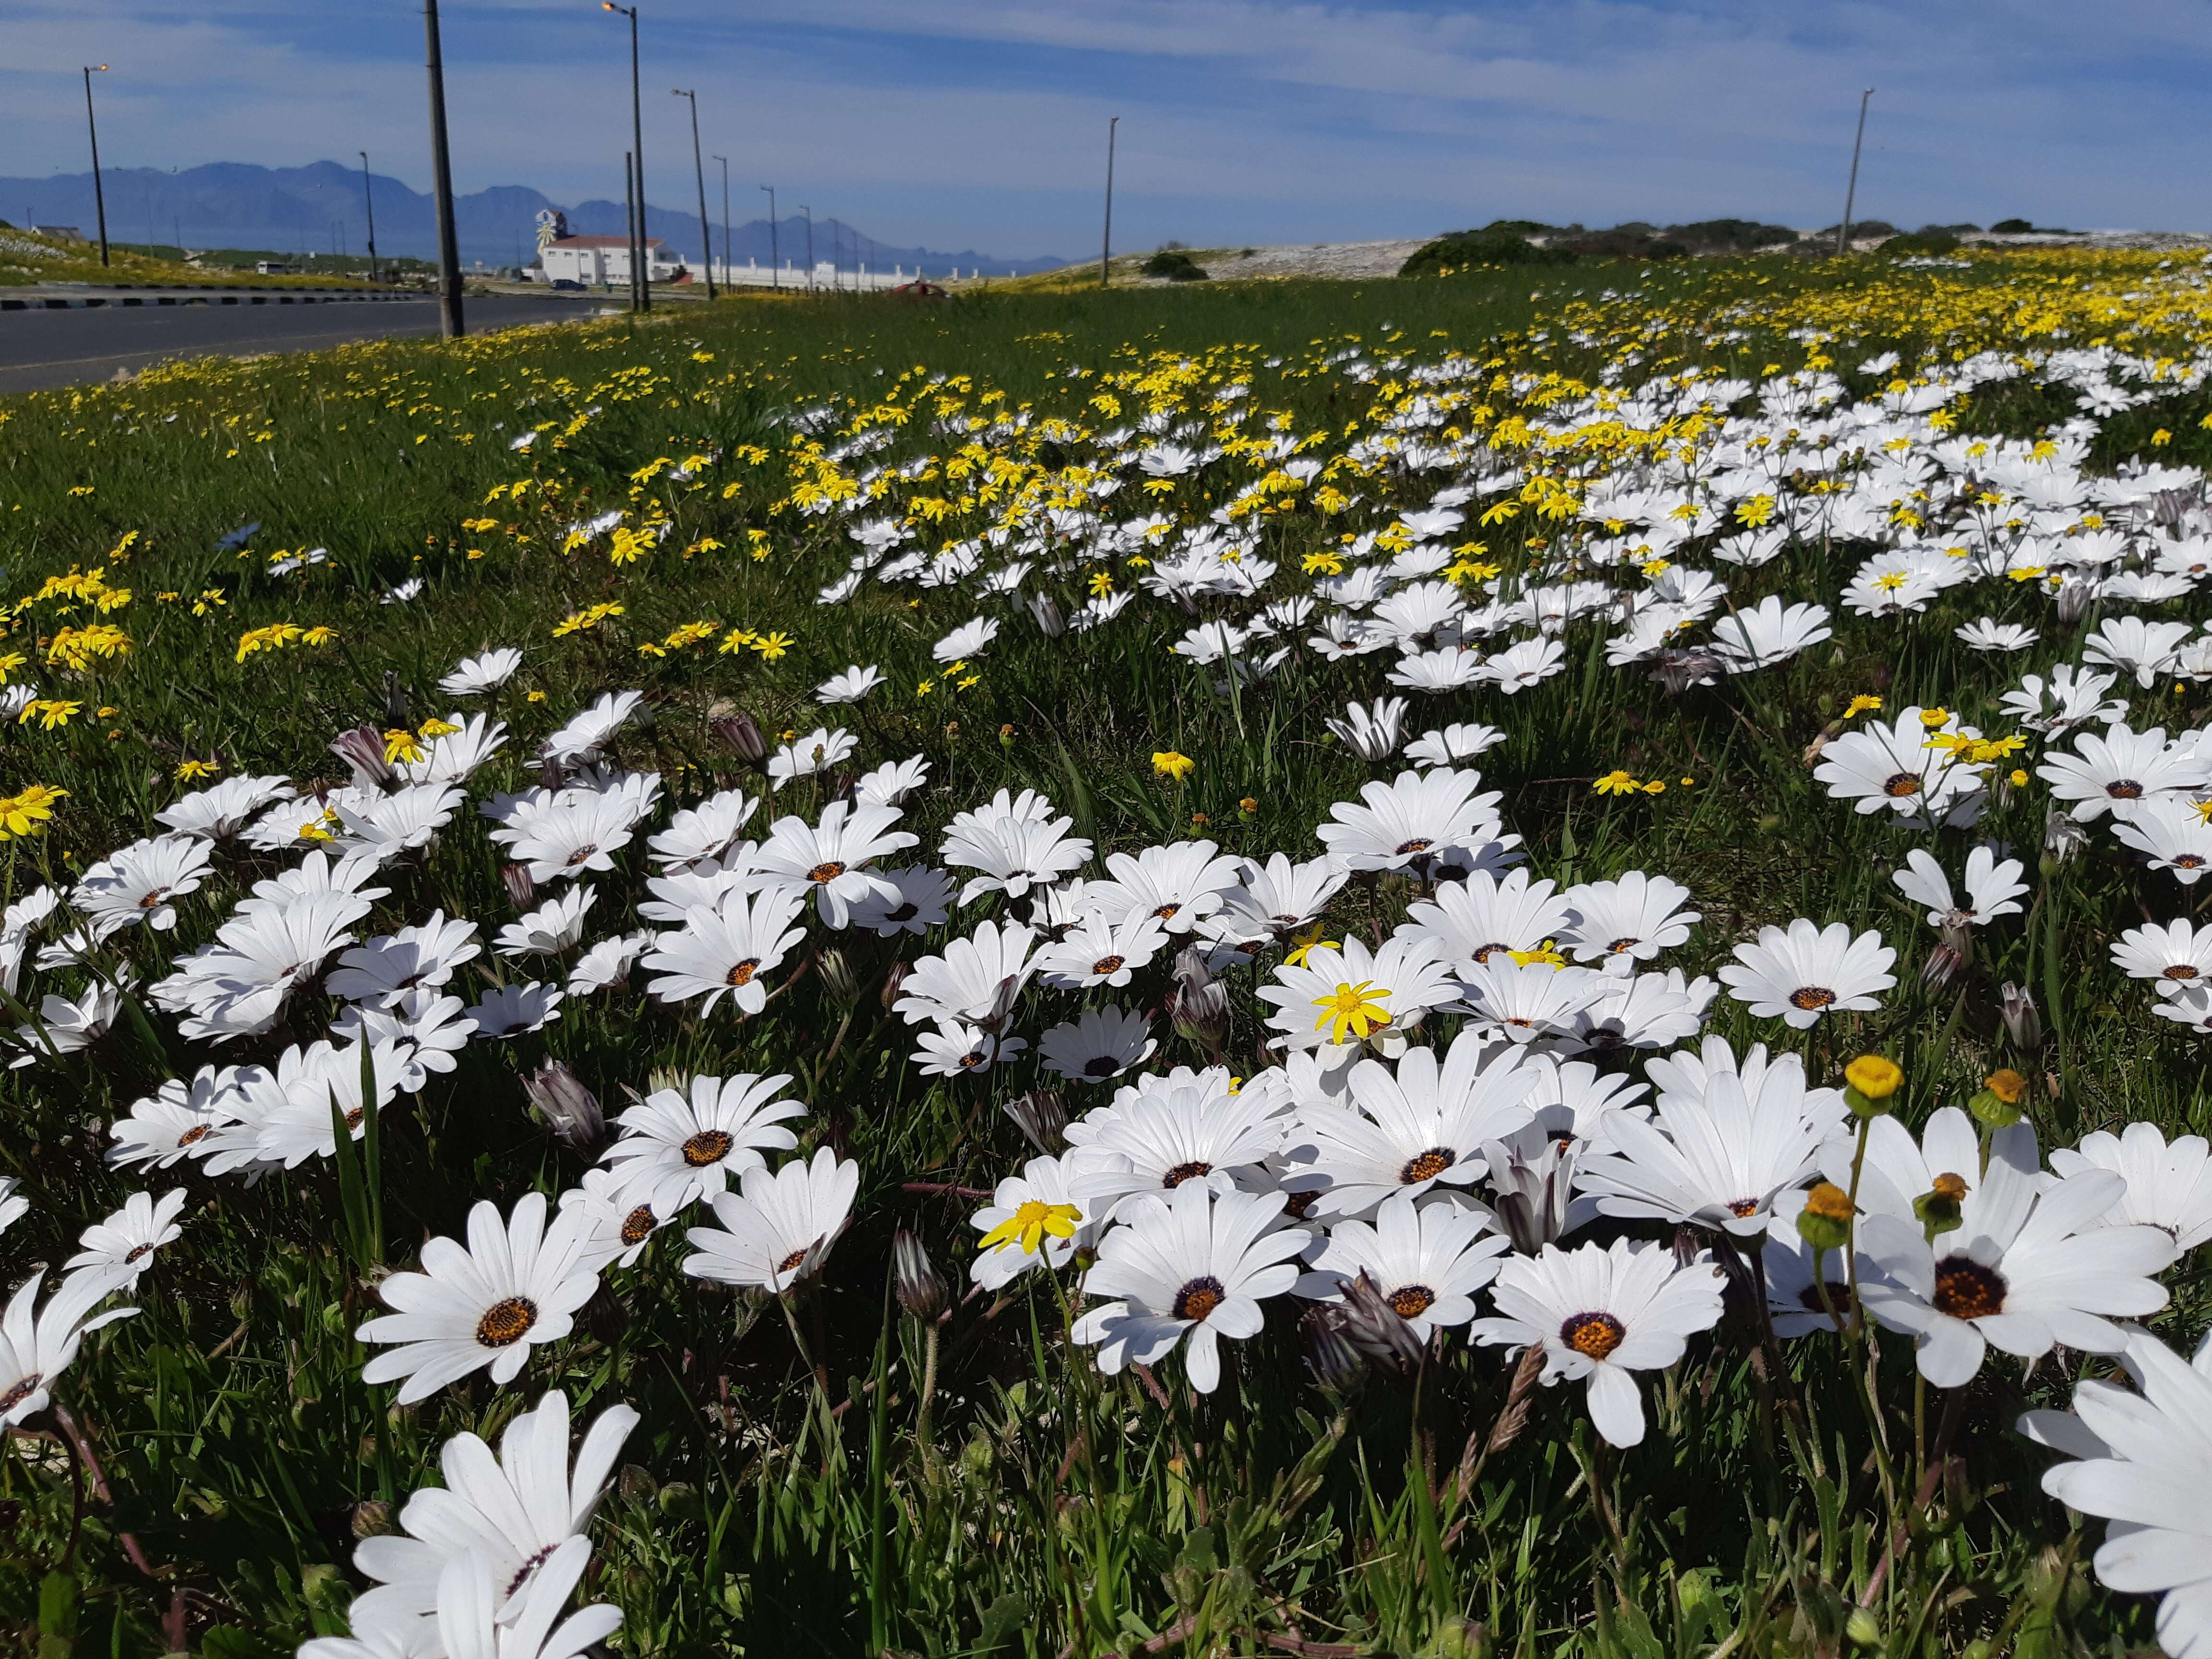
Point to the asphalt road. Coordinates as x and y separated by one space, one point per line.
44 348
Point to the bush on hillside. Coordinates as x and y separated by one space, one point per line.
1172 263
1463 250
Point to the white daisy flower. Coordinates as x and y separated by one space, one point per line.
776 1229
1993 888
1803 972
1416 821
1601 1313
126 1241
1189 1263
889 784
473 677
554 927
676 1148
38 1344
1624 921
920 899
1159 1135
1988 635
1406 1132
1375 733
854 683
142 882
2111 773
508 1010
978 978
1425 1260
513 1511
2025 1270
831 859
818 751
2169 1185
956 1048
163 1130
382 971
607 963
1096 952
1099 1047
726 950
2143 1461
2174 956
516 1284
705 830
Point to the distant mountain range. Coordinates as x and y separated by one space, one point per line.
319 209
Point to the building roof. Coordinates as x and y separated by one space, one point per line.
603 242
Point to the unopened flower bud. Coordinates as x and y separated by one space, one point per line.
1870 1081
1005 737
1046 610
1943 964
569 1109
838 978
1997 1104
1825 1223
1200 1014
395 701
521 890
2074 599
1042 1117
895 983
371 1518
743 737
1939 1208
1863 1628
362 749
1372 1326
920 1291
1333 1362
2023 1025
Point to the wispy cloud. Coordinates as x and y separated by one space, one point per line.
1243 120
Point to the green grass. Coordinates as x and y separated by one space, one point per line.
1048 1511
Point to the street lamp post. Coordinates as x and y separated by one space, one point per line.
809 212
699 173
629 224
1106 246
774 258
725 160
639 261
1850 192
368 199
442 179
99 196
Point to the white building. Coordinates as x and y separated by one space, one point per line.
593 260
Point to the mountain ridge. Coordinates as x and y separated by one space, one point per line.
314 209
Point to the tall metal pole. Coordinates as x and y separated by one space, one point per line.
368 197
809 212
1106 247
442 182
774 258
629 224
699 173
725 160
1851 194
641 260
99 196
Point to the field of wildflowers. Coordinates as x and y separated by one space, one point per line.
1429 968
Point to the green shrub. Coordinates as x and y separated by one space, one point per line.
1465 250
1172 263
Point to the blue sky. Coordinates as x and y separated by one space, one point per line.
982 123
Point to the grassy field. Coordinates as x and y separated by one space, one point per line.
27 259
219 566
